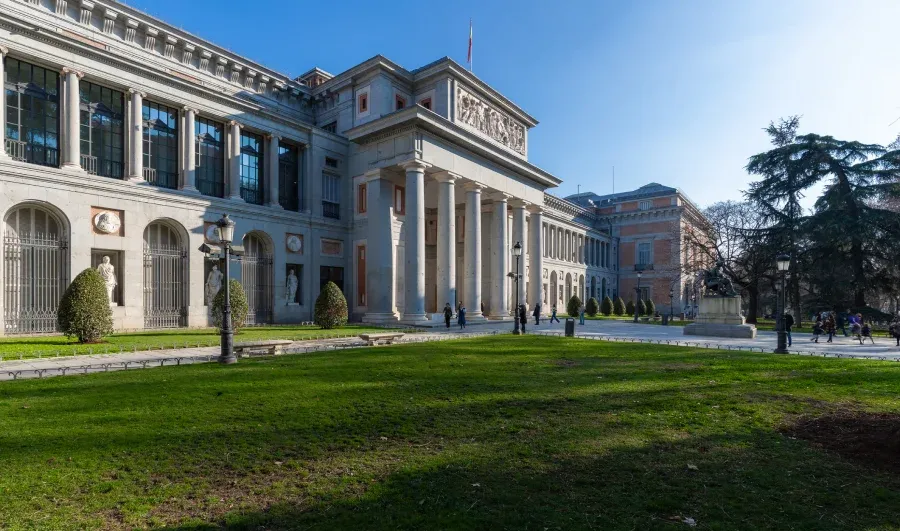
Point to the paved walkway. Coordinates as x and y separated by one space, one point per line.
883 348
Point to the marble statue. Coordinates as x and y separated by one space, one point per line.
108 273
291 284
213 284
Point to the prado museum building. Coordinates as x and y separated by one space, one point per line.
125 139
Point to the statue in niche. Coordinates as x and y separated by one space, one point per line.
291 284
108 273
213 284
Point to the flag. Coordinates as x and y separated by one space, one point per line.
469 57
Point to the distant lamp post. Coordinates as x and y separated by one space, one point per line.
693 305
782 264
517 252
671 301
225 232
637 297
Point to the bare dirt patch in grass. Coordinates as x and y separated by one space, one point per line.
872 439
568 364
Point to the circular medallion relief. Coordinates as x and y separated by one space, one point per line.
107 222
212 234
294 244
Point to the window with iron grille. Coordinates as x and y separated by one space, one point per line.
288 177
102 130
160 144
331 195
210 172
251 168
32 113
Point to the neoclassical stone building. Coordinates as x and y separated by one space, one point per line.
127 138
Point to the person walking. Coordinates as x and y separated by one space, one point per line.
523 316
461 317
817 329
830 326
865 332
841 323
537 314
856 326
895 329
788 324
581 315
448 314
553 316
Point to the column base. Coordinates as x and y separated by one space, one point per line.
415 319
381 318
190 190
500 317
275 206
236 198
72 167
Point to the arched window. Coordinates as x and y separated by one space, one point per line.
165 265
256 277
35 269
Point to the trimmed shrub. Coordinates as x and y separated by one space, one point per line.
629 308
239 307
574 306
619 306
84 310
641 307
606 307
331 307
592 307
650 307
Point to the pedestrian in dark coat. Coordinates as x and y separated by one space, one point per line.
523 316
448 314
895 329
788 324
537 314
461 317
830 326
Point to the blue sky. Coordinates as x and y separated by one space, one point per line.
675 92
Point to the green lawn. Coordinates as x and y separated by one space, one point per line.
506 432
47 346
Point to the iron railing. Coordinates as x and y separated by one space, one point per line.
89 164
35 271
256 276
331 210
16 149
150 175
164 286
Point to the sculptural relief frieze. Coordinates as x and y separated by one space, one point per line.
497 125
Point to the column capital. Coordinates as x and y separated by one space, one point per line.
373 175
519 203
136 92
66 71
234 123
446 176
500 196
187 108
3 51
272 136
415 165
472 186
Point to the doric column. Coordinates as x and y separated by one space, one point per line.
536 257
136 137
3 153
446 239
414 230
189 182
499 256
234 166
472 300
71 155
272 171
379 249
518 235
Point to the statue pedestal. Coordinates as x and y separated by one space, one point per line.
720 317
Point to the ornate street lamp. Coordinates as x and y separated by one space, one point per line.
782 264
637 297
517 252
225 232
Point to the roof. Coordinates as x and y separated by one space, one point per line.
587 199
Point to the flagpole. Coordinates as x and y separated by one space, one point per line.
470 44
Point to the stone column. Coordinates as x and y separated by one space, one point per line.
234 166
472 299
136 137
446 240
499 256
71 155
518 235
189 184
414 231
3 153
379 249
272 172
536 258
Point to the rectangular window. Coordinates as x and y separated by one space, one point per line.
361 275
400 200
426 103
102 130
332 274
399 102
644 205
363 102
32 113
330 127
210 153
643 257
331 195
160 144
645 294
331 163
251 168
288 177
361 198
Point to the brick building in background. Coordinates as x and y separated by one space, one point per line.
648 228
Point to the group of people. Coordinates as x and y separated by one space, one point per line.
830 323
522 311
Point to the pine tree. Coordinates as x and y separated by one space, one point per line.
641 307
619 306
650 307
629 308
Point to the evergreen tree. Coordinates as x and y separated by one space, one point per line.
641 307
331 307
592 307
629 308
84 309
573 306
619 306
240 310
606 307
650 307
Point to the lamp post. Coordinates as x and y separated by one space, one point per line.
693 305
225 232
782 264
517 252
671 300
637 297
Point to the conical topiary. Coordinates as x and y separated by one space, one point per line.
619 306
239 307
650 307
592 307
606 307
331 307
629 308
641 307
84 309
574 306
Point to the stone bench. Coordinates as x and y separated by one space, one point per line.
384 339
273 347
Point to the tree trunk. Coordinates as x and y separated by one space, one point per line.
752 303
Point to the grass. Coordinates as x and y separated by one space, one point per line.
494 433
47 346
